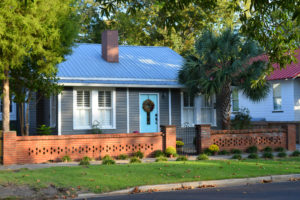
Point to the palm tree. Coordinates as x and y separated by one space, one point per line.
220 62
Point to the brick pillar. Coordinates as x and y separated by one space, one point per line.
169 136
291 137
203 135
9 148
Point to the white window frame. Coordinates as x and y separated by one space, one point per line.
279 109
112 108
214 123
75 126
52 125
182 110
237 100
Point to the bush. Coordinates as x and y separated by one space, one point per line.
161 159
296 153
85 161
253 156
242 119
122 157
182 158
139 154
280 149
281 154
237 156
171 151
252 149
107 157
179 143
213 148
268 155
268 149
95 127
223 152
207 152
202 157
44 130
66 158
158 153
108 161
135 160
236 151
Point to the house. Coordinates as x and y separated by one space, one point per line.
13 113
119 89
283 100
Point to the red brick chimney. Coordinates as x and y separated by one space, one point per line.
110 46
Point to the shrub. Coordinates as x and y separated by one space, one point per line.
85 161
202 157
207 152
182 158
281 154
268 155
253 156
135 160
161 159
242 119
171 151
122 157
214 148
280 149
107 157
158 153
66 158
223 152
139 154
179 143
268 149
236 151
252 149
44 130
108 161
95 127
296 153
237 156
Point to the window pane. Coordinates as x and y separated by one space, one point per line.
79 98
108 98
206 115
235 105
188 116
276 90
191 101
277 103
105 117
100 98
83 117
87 99
185 99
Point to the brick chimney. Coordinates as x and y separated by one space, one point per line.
110 46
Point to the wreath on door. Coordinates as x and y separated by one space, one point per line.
148 106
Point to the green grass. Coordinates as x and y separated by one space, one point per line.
101 178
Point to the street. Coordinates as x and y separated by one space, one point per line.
274 191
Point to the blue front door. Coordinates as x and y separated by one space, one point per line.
148 113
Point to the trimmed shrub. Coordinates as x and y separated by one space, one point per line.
296 153
235 151
280 149
223 152
122 157
108 162
179 143
202 157
214 148
182 158
268 149
207 152
252 149
85 161
281 154
139 154
135 160
171 151
237 156
268 155
107 157
253 156
161 159
158 153
66 158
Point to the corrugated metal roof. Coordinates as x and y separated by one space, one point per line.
138 65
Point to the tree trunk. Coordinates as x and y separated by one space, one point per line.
27 114
21 117
223 107
6 102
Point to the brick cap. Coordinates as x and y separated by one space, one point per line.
10 132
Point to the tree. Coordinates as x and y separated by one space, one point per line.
222 61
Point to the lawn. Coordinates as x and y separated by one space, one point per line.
100 178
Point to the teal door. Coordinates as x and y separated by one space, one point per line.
148 113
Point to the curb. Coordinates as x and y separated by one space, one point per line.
196 184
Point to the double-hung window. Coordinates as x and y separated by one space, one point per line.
235 100
82 115
188 118
277 100
207 111
105 109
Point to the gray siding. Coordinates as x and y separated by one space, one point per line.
176 107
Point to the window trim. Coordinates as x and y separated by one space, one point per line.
238 100
214 123
182 108
273 98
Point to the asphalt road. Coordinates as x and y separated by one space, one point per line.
272 191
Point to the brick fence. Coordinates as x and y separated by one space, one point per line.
242 139
39 149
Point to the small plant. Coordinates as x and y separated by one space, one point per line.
214 148
207 152
252 149
268 149
139 154
108 161
85 161
236 151
281 154
135 160
296 153
171 151
179 143
95 127
253 156
223 152
268 155
122 157
202 157
44 130
158 153
66 158
161 159
182 158
280 149
107 157
237 156
242 119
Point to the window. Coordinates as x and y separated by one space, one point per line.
235 100
53 107
277 101
1 106
82 115
105 109
207 111
188 110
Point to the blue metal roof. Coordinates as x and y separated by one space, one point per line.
138 66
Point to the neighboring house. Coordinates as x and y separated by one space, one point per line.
283 100
120 89
13 111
